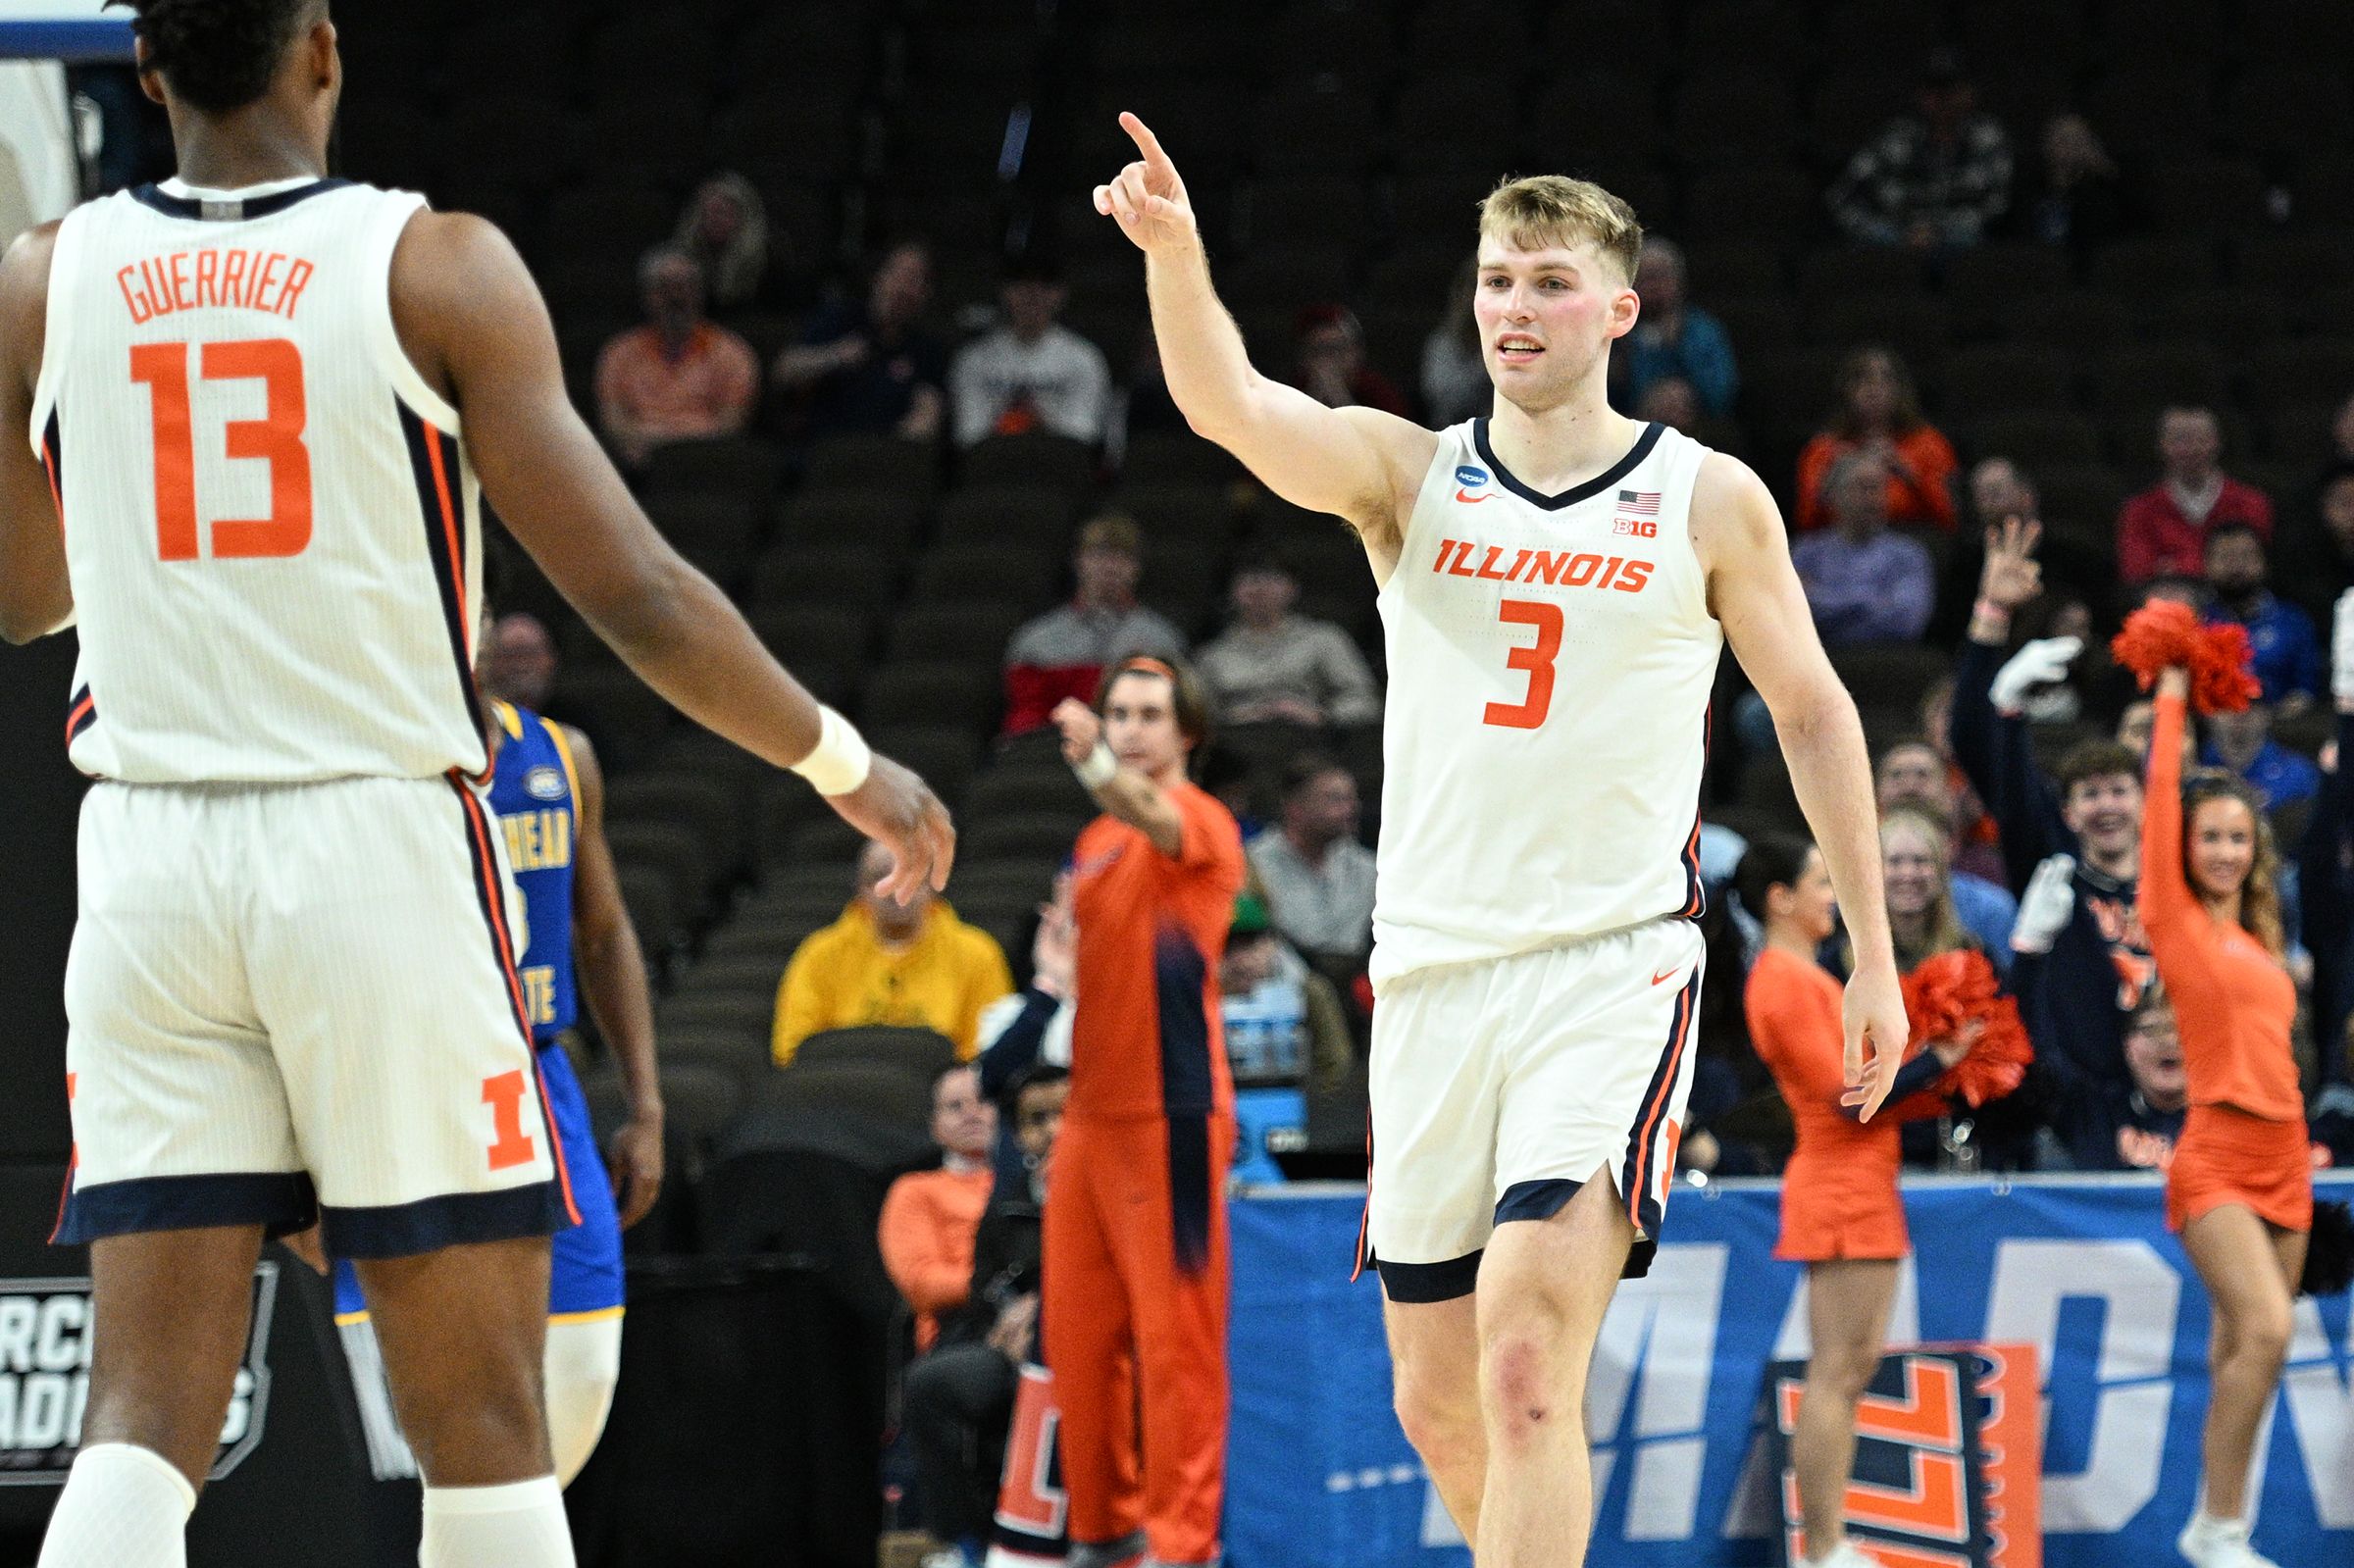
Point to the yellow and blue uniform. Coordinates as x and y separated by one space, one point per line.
535 793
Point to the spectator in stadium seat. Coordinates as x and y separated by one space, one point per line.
1673 338
956 1401
1932 180
2085 827
1455 374
2241 745
725 230
2288 652
2317 561
1918 876
2128 1125
1030 373
930 1218
1672 401
1865 582
1318 878
1913 776
1284 1022
1273 666
679 377
868 367
2163 531
912 965
2071 195
1879 412
1065 651
1332 368
520 664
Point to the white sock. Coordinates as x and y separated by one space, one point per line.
124 1507
520 1524
584 1363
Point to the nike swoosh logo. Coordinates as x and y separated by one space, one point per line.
1465 496
1661 980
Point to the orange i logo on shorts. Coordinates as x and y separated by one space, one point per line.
512 1145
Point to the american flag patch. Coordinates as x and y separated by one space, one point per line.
1643 503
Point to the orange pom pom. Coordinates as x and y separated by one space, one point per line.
2163 633
1945 994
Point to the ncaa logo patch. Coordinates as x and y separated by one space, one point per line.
1468 475
543 783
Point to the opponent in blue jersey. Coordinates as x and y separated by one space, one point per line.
547 793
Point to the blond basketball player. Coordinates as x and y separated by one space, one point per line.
258 401
1556 583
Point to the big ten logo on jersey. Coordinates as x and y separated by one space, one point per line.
1639 528
45 1341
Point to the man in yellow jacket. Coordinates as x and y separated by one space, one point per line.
912 966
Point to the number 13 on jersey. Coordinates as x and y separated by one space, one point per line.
275 439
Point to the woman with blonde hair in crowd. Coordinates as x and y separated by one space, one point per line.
725 228
1917 868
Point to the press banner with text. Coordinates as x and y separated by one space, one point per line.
2083 1270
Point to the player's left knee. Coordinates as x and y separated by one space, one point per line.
1532 1371
583 1368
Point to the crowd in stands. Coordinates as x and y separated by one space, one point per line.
912 414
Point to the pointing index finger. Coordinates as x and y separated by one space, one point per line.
1146 142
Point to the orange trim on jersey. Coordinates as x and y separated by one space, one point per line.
82 710
72 1164
555 1144
1641 1185
56 495
494 901
450 530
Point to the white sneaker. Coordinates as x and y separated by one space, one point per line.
2211 1542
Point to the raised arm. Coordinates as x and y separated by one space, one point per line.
1124 793
612 973
2167 903
35 596
472 323
1755 593
1357 463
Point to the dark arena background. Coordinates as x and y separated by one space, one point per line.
2067 259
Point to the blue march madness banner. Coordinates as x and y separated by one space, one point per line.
1319 1474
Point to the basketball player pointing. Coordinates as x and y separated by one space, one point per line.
260 400
1555 583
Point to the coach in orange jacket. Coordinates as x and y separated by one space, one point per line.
1134 1315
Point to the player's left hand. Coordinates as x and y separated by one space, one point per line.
1876 1029
635 1157
1081 730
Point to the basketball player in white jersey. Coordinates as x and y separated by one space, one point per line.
259 401
1557 583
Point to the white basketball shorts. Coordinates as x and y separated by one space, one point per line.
1503 1086
291 1002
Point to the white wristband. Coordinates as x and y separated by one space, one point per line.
1094 770
840 760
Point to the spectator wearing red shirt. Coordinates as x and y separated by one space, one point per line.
677 377
1332 363
2162 532
1064 652
1136 1248
1879 414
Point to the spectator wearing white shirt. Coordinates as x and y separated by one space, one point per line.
1318 878
1272 665
1030 373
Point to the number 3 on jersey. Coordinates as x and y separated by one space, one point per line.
1537 659
275 439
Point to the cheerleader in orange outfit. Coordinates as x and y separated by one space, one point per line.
1841 1215
2240 1187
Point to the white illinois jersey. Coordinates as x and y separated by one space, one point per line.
1551 659
271 525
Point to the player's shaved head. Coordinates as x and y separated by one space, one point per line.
218 55
1543 211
